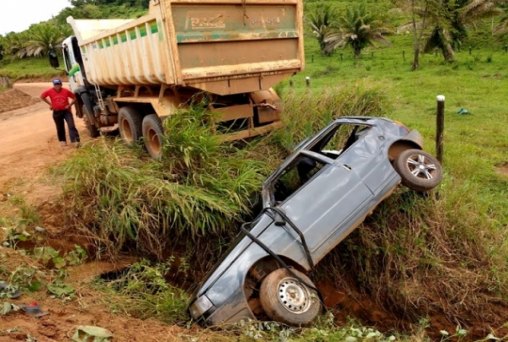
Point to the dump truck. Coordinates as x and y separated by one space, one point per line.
131 74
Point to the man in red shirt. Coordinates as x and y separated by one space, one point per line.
59 104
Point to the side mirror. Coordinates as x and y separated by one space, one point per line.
53 58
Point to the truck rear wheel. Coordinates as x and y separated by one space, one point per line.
152 135
129 124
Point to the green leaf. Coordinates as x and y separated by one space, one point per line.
60 289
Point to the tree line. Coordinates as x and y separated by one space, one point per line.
435 24
39 38
441 25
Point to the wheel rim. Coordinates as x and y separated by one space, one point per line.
154 142
294 296
421 167
126 131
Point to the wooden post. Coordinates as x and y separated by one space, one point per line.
307 81
440 127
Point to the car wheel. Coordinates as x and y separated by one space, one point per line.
286 299
129 124
419 170
152 135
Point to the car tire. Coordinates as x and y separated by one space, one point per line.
419 170
129 125
152 135
286 299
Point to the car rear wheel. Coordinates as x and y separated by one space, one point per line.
286 299
419 170
129 124
152 135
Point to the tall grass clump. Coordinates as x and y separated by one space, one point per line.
415 259
199 189
306 112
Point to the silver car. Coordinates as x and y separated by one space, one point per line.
312 202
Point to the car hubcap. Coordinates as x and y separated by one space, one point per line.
294 296
421 167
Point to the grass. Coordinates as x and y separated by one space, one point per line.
130 202
143 292
415 256
33 68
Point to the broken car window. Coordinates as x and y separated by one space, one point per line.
339 140
295 176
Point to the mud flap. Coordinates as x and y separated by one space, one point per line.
268 105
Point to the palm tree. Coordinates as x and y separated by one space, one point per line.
502 28
358 29
320 21
42 37
451 21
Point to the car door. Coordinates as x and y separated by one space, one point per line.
327 205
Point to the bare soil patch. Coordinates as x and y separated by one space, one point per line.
502 169
14 99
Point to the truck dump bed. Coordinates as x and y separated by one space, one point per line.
223 47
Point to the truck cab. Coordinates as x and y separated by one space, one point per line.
73 63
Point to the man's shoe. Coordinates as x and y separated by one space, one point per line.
76 144
63 143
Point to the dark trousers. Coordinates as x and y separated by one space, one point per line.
60 116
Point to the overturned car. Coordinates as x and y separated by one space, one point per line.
312 202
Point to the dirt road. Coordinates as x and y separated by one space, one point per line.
28 143
28 147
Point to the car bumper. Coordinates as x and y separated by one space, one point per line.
233 310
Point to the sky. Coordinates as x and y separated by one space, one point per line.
18 15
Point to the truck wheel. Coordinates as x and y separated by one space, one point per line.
92 130
152 135
286 299
419 170
129 124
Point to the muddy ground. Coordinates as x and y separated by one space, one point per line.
28 149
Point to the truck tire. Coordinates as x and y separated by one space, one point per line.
129 125
286 299
92 130
152 135
88 117
419 170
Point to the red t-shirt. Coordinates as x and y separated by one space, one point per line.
59 99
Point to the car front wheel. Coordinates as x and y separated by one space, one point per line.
419 170
287 299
